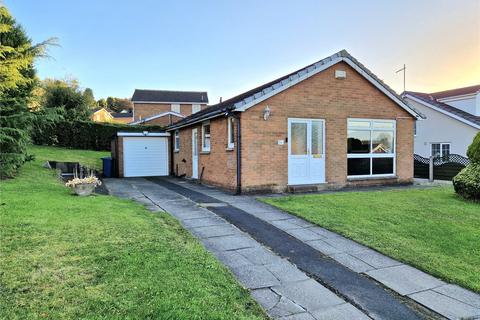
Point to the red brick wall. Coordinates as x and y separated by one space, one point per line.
265 163
220 163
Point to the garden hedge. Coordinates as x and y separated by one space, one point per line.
83 134
467 181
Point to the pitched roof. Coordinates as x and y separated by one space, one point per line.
122 114
455 92
258 94
159 115
167 96
429 100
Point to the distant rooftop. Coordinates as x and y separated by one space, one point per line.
167 96
455 92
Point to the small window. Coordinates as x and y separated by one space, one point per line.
206 136
196 108
176 108
177 140
231 133
440 150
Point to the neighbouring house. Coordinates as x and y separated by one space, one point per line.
452 120
101 115
163 107
328 125
122 117
105 115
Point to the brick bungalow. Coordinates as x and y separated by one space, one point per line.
328 125
163 107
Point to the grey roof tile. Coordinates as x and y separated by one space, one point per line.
170 96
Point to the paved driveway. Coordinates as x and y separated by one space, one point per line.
294 269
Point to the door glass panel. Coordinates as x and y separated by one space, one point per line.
382 142
317 137
299 138
195 144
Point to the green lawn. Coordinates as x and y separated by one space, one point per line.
432 229
66 257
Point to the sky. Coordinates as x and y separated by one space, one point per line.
227 47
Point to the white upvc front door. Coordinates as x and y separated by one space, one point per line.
195 153
306 151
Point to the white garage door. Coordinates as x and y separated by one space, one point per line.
145 156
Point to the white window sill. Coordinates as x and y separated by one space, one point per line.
383 177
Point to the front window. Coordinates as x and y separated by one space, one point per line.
175 108
231 133
370 147
206 136
196 108
440 150
177 140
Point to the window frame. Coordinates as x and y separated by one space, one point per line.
230 131
196 105
174 106
176 141
371 155
442 145
204 135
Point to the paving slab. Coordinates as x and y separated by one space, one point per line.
375 259
276 306
446 306
305 234
286 272
309 294
260 255
203 222
299 316
232 259
226 243
340 312
460 294
215 231
285 224
405 279
255 277
323 247
351 262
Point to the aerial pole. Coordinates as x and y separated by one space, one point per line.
404 69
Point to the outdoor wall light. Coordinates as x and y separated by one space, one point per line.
266 113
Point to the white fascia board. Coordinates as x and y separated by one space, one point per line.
456 98
164 102
173 113
431 106
323 67
141 134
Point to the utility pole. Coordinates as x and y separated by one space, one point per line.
404 69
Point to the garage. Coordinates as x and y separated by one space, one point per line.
141 154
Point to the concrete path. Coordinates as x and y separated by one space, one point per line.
451 301
280 287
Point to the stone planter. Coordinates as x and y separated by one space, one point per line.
84 189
